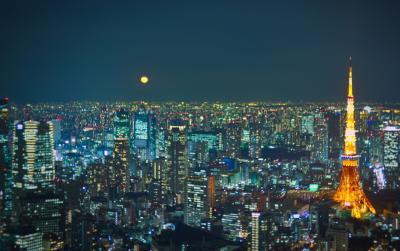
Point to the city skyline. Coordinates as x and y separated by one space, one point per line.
220 125
208 176
73 51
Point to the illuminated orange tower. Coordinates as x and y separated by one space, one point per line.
211 192
349 193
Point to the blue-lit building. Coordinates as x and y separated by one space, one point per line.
120 163
144 134
307 124
210 141
56 130
122 124
5 160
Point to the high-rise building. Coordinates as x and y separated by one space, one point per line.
45 168
145 132
244 143
5 160
375 145
44 211
34 200
255 231
122 124
307 124
98 179
338 238
56 130
362 121
350 194
233 139
333 120
391 151
23 238
254 140
158 166
177 159
156 194
231 225
33 156
320 151
158 183
195 199
119 168
81 230
211 143
211 196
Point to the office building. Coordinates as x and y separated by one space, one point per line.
195 199
391 153
33 158
177 159
145 134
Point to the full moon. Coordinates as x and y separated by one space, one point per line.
144 80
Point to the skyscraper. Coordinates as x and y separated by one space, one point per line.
121 124
320 151
391 150
231 225
307 124
349 193
333 120
211 196
33 157
120 164
34 200
210 140
255 231
56 130
45 168
5 158
44 211
23 238
158 166
4 130
119 167
145 132
98 179
233 139
195 199
177 159
255 140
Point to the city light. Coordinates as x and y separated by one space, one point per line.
221 126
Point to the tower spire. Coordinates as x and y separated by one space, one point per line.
350 133
349 193
350 92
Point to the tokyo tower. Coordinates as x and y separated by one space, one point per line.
349 193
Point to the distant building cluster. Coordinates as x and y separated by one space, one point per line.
202 176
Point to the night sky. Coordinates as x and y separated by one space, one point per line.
56 51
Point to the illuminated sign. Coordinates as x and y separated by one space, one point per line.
313 187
